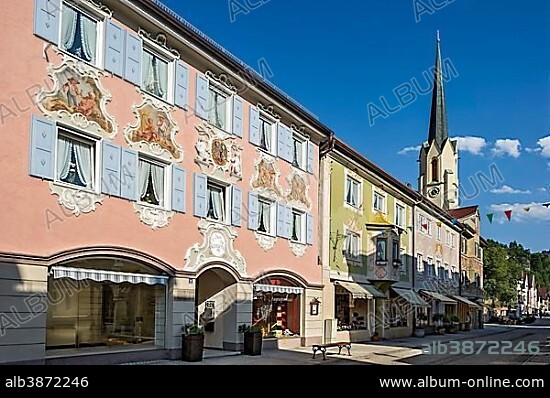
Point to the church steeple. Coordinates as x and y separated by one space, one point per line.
438 117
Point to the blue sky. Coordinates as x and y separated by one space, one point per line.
337 58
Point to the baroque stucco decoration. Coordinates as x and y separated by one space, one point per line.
217 246
298 249
78 201
265 180
77 99
154 131
266 242
152 216
218 153
298 194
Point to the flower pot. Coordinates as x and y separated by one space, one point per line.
419 332
192 347
253 343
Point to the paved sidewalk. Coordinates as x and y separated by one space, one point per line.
386 352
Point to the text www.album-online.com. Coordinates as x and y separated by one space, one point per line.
485 382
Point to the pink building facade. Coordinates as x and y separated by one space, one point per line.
153 181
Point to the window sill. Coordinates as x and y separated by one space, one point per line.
166 101
77 188
266 151
267 234
152 206
65 52
216 221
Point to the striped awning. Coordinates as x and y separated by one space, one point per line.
464 300
278 289
438 297
361 290
97 275
411 297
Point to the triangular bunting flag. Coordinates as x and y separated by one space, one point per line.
546 204
526 208
438 223
508 214
454 220
490 217
425 226
410 227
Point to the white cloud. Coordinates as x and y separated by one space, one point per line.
473 145
532 150
507 147
408 149
543 189
544 144
508 189
536 212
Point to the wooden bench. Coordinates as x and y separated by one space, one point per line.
323 348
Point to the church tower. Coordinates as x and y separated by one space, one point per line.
438 177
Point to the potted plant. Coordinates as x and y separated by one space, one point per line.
252 339
450 323
438 322
192 343
419 329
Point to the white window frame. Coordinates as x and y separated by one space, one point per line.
399 205
95 156
227 195
351 258
215 86
167 178
359 187
429 231
272 216
453 240
430 262
438 232
170 59
97 16
302 163
273 133
302 237
384 197
420 263
385 259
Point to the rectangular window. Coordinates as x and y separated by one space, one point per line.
79 34
352 246
379 202
154 75
464 245
429 223
478 252
399 215
217 202
266 135
453 240
430 262
152 182
395 251
266 216
439 232
75 160
381 246
419 263
218 108
298 152
298 226
352 192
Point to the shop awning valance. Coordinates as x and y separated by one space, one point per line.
467 302
411 297
438 297
278 289
360 290
97 275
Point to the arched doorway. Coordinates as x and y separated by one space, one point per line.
217 292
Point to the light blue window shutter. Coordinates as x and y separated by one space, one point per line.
289 141
182 84
236 206
179 179
310 157
281 220
253 211
309 229
201 102
200 193
110 169
281 141
288 223
132 58
47 17
237 116
129 171
114 48
254 128
42 148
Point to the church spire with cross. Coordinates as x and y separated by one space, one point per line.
438 116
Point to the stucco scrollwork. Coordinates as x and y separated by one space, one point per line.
218 153
77 98
155 130
266 242
153 216
299 249
217 246
77 201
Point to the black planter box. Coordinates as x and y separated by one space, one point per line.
253 343
191 347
